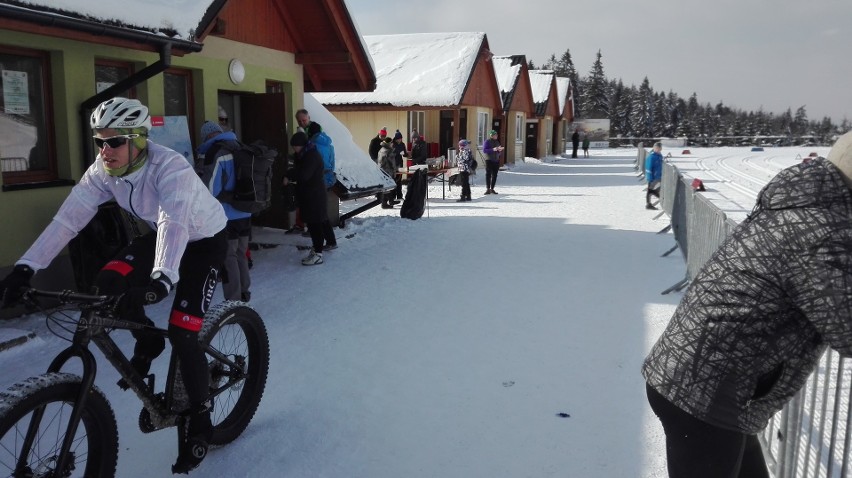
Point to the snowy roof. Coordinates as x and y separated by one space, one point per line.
507 72
562 86
540 81
174 18
354 168
426 69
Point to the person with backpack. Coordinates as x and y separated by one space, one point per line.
307 173
184 252
466 167
215 165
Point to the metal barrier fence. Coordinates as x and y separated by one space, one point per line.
812 436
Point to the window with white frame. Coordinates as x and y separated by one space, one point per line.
417 121
519 128
482 128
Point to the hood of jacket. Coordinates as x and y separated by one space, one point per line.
226 136
817 183
321 139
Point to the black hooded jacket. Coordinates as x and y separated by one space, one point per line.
756 318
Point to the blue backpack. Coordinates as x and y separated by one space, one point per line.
326 150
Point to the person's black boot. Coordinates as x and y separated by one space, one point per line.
199 430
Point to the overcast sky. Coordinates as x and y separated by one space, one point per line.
750 54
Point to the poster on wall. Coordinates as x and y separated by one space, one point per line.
172 132
596 129
16 92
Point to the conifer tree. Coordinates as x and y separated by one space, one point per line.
595 100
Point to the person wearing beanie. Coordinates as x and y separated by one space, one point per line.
307 173
492 149
215 165
398 153
755 320
419 153
223 118
465 163
376 144
210 129
179 257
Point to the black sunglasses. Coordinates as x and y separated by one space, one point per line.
114 141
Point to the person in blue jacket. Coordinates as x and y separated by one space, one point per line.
653 174
215 165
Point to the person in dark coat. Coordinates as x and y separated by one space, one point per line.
307 173
419 153
755 321
376 144
575 142
399 153
492 149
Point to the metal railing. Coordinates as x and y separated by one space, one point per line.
811 436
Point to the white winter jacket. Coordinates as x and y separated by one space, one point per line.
166 193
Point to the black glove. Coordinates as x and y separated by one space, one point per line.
133 301
15 284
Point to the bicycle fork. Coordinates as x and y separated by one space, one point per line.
88 380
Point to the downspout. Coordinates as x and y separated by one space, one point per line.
126 84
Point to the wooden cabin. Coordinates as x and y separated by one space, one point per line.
542 130
516 92
440 84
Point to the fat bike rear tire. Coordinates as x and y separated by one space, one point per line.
237 331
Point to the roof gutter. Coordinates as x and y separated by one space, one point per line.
55 20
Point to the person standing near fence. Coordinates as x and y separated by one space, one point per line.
653 174
755 321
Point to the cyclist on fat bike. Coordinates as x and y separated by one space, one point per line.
185 251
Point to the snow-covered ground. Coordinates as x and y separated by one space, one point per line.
495 338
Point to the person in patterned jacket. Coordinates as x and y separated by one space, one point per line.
755 321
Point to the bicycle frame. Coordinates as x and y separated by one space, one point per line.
93 328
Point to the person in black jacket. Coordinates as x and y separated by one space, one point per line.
307 173
376 144
399 154
575 142
755 321
419 152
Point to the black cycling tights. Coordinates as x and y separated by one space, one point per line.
696 449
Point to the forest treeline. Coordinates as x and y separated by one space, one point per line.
642 112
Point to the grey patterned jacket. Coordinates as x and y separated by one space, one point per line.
756 318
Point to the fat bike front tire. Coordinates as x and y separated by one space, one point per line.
95 447
237 331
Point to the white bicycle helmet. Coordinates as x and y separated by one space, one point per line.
120 113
